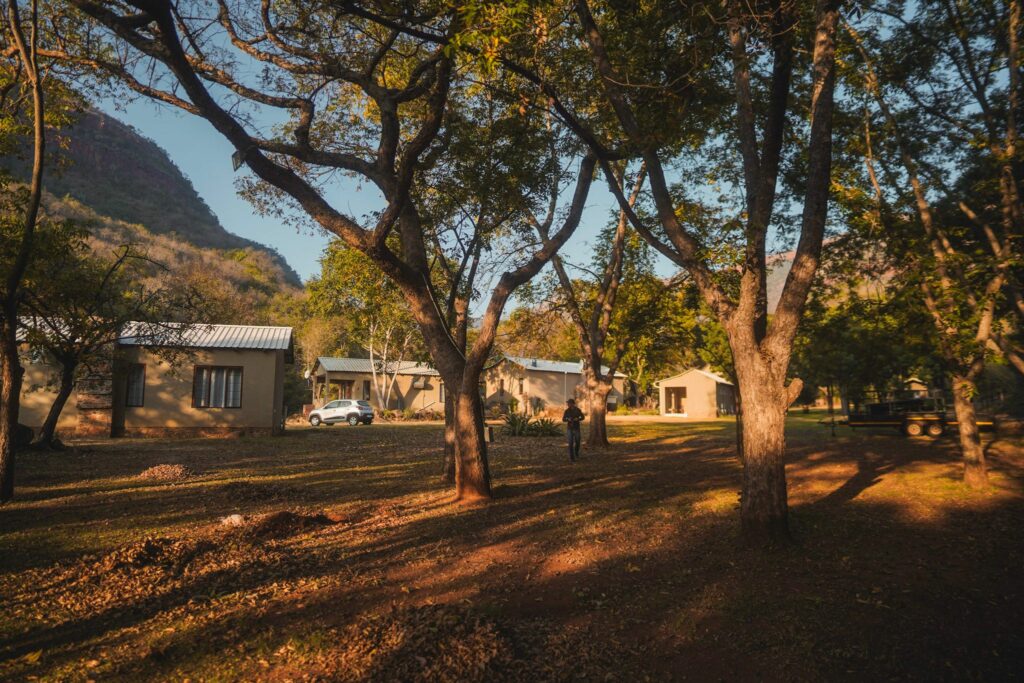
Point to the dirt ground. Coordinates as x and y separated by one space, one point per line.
335 554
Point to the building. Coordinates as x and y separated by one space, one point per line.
222 379
696 394
533 383
536 384
417 386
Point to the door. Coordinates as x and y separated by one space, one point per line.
330 411
675 397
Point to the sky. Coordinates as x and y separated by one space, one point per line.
204 156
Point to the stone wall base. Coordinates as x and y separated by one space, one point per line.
196 432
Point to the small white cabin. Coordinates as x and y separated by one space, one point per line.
696 394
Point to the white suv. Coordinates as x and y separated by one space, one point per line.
343 410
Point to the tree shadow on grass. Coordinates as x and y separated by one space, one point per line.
636 552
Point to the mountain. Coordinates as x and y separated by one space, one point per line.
119 174
239 286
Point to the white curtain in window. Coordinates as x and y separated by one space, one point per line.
217 388
233 390
201 390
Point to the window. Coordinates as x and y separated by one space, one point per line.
419 383
333 404
344 404
440 392
366 390
521 392
136 392
217 387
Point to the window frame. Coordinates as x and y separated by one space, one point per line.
241 386
128 391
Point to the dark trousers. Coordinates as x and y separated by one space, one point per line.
574 443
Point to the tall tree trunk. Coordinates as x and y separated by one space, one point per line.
45 438
763 504
10 369
472 474
738 400
975 470
10 394
597 400
448 466
831 409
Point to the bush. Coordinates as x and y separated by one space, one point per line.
408 414
517 424
544 426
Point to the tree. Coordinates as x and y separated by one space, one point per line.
78 305
947 99
349 287
24 108
663 72
363 95
592 307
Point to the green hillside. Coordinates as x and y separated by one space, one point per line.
112 169
240 284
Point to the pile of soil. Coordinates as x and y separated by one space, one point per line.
167 473
276 524
152 551
456 643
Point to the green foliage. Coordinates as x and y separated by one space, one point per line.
544 426
140 185
516 424
520 424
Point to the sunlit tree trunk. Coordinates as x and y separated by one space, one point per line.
975 469
472 474
46 436
448 466
763 500
597 399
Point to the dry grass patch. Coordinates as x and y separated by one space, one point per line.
348 560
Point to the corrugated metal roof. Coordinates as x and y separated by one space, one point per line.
362 365
542 365
706 373
209 336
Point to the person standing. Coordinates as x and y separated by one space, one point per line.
572 417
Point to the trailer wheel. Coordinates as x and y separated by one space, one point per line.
913 429
935 430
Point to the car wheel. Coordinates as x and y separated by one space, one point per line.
314 420
914 429
935 429
353 420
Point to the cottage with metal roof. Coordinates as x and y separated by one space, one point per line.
536 384
696 394
225 379
416 386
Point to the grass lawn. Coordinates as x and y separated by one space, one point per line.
625 566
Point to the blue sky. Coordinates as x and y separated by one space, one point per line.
204 156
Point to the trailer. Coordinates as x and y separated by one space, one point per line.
912 417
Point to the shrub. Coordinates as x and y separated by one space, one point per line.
544 426
408 414
516 424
